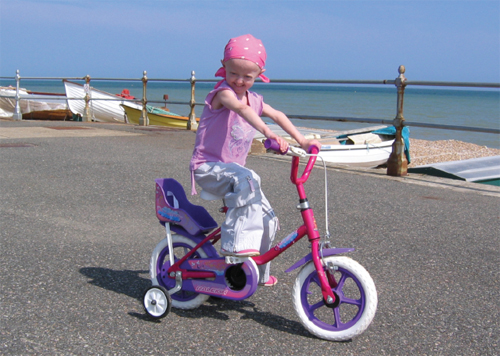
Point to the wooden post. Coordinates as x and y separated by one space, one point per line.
397 164
192 124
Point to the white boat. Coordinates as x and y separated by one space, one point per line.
29 102
104 106
367 147
359 155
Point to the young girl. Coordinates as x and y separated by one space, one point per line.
227 126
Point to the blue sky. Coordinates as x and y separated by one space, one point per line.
440 40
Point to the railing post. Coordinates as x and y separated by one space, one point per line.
397 164
192 124
17 110
144 120
86 111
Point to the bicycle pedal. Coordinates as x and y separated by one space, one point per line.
234 260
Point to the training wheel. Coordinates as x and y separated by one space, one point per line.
157 302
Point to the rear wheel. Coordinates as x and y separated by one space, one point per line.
160 263
355 306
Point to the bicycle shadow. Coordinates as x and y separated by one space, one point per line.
131 284
217 307
126 282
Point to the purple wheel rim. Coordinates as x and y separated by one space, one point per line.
312 309
162 276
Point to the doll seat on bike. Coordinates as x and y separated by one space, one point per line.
172 206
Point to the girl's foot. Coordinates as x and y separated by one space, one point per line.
270 282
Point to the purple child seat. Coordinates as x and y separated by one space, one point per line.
172 206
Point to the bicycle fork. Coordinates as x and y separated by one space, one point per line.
327 280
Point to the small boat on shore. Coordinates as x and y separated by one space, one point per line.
367 147
156 117
359 155
360 148
49 115
34 105
105 107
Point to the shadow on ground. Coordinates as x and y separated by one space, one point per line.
131 284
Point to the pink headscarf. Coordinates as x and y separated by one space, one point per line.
244 47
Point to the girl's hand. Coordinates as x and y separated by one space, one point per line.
308 143
281 141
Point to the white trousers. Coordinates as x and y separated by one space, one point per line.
250 221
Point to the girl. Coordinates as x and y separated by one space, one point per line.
227 126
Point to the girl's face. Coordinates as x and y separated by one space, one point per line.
241 74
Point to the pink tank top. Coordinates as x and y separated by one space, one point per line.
223 135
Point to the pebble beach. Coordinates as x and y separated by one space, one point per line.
423 152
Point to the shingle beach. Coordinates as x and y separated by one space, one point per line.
428 152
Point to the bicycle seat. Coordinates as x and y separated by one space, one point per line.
172 206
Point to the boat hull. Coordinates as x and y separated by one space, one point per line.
30 102
103 107
134 115
366 155
57 115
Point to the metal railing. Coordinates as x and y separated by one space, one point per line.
397 163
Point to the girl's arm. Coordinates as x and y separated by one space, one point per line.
227 99
284 122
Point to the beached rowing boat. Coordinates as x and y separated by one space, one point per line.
32 103
104 106
155 118
370 147
367 147
49 115
359 155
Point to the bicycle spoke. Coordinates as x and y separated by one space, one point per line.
336 315
350 301
317 305
341 282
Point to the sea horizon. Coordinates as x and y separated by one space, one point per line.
470 107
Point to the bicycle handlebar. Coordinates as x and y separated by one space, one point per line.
273 145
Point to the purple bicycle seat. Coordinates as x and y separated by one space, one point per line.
172 206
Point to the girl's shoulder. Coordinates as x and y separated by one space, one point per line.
212 99
255 98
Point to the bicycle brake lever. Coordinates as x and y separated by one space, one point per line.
295 151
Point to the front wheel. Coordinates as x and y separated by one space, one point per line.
357 300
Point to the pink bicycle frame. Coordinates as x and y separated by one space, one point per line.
309 228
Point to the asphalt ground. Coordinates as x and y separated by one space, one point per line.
78 227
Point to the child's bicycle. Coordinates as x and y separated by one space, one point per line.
334 296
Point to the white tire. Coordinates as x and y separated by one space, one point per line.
357 300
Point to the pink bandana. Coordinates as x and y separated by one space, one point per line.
244 47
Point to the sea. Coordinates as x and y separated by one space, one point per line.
470 107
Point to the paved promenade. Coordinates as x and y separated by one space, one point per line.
77 228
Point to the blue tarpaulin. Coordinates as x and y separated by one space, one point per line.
391 131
